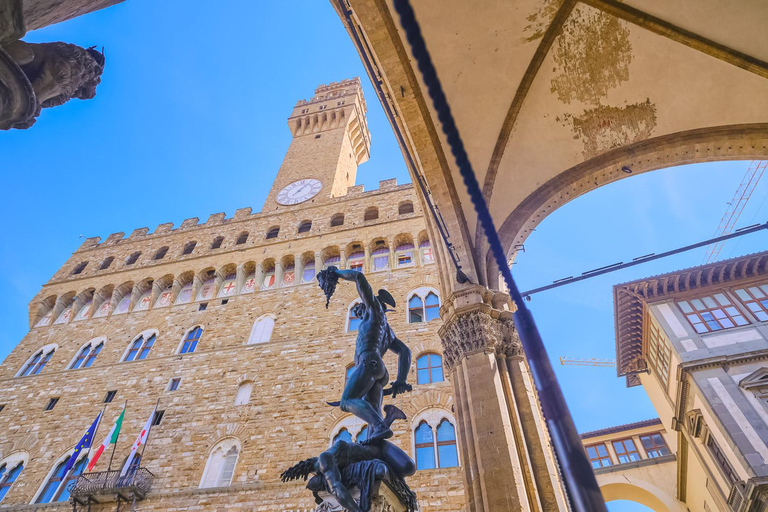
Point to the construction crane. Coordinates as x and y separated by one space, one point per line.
736 206
592 361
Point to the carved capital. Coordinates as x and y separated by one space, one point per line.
478 330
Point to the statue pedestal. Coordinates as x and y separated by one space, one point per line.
383 500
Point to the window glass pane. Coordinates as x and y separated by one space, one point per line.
423 377
722 299
425 458
424 434
432 300
757 292
698 304
740 320
685 306
422 362
726 323
448 456
445 431
415 316
362 435
709 302
435 360
591 452
354 323
343 435
437 374
742 294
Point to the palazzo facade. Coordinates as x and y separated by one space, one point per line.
222 325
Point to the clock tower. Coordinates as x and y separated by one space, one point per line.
330 139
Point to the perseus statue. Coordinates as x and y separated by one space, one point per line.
374 459
364 391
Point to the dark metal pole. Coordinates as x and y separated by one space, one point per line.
580 481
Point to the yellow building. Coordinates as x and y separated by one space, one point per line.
224 324
697 341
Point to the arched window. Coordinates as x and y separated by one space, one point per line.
242 239
405 208
262 330
404 254
447 455
356 258
415 310
371 214
436 448
289 273
354 321
140 347
65 316
160 254
429 369
425 447
85 311
123 297
37 362
56 488
106 263
185 294
337 220
432 307
132 258
423 306
333 259
188 248
79 268
305 226
343 435
362 435
244 393
221 464
273 232
189 344
87 355
207 288
9 472
217 242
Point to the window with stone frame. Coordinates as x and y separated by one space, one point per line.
132 258
9 472
598 456
56 488
353 321
106 262
140 347
220 467
712 313
356 258
242 238
272 233
755 298
244 390
37 362
189 343
722 460
654 445
405 208
423 306
371 213
308 273
217 242
160 254
343 435
79 268
189 248
626 451
658 352
305 226
262 330
436 448
337 220
87 355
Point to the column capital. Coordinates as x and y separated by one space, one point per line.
476 319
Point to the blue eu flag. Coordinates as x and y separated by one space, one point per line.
84 444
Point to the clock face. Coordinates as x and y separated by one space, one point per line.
299 191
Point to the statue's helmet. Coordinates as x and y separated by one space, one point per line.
98 56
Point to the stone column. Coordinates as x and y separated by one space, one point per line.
279 274
240 280
318 262
367 263
342 259
298 269
258 277
505 449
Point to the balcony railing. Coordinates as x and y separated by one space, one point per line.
110 486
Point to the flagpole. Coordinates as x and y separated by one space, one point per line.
96 430
114 446
141 457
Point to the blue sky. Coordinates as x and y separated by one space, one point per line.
190 120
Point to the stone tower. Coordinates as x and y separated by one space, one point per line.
330 139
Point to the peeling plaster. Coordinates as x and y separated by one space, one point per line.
592 56
605 128
541 19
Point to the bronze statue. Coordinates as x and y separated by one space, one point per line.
346 464
53 72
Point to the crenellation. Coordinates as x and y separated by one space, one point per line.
243 213
356 190
189 223
216 219
89 243
163 229
114 238
388 184
138 233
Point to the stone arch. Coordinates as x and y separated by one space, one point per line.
714 144
102 301
40 313
647 495
432 399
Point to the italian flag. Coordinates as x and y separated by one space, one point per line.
110 439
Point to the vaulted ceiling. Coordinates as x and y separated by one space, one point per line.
555 98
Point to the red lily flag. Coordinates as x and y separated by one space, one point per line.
110 439
139 441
